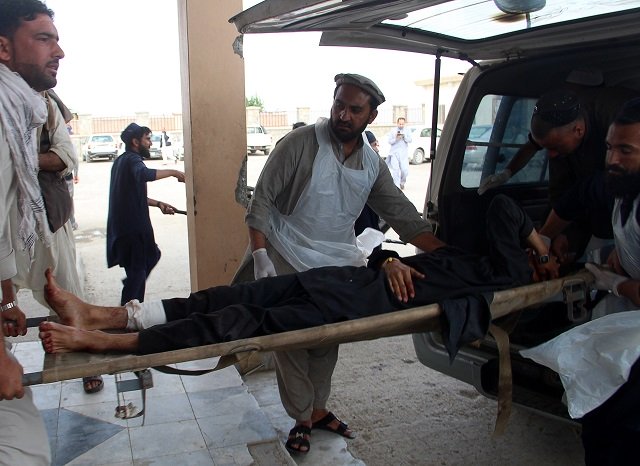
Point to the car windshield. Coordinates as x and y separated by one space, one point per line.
102 139
473 19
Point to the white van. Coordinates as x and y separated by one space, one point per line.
519 50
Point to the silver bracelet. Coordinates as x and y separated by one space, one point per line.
6 307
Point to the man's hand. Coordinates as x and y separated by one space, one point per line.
400 277
166 209
613 261
10 376
262 265
493 181
560 249
14 322
179 175
549 270
605 279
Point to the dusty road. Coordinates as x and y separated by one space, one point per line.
405 413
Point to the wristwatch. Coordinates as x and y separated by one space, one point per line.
9 305
543 259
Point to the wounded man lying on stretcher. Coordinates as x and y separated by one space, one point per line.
306 299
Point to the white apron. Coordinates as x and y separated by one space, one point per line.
319 231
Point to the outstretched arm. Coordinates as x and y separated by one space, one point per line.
522 157
165 208
160 174
615 279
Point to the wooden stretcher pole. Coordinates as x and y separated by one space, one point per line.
415 320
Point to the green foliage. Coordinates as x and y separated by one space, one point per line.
254 101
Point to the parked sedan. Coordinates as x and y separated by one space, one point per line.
475 150
100 146
420 147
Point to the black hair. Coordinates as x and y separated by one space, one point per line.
298 124
555 109
136 133
629 113
14 12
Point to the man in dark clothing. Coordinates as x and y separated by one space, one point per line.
130 240
305 299
572 127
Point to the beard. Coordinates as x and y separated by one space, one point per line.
144 152
345 131
621 182
36 77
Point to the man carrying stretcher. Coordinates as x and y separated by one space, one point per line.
315 297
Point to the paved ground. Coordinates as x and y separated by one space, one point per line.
404 412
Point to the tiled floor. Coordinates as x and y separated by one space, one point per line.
212 419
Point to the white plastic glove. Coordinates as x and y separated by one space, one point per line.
262 265
495 180
605 279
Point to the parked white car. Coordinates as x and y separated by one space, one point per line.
420 146
100 146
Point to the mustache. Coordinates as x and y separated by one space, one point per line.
614 169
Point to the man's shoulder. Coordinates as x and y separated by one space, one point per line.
297 139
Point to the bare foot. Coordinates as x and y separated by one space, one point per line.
71 309
58 338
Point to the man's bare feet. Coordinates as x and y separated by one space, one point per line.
58 338
71 309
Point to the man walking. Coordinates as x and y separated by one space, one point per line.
130 240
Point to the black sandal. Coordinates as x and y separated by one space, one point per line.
323 424
297 443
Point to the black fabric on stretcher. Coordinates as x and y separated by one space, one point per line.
336 294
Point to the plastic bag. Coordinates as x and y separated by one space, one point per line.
368 240
593 359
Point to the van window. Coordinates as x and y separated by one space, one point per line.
501 127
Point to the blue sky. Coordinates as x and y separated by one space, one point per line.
122 56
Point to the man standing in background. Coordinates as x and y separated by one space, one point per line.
130 240
398 158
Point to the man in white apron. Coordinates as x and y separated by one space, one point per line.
302 214
604 352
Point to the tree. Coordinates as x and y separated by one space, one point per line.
254 101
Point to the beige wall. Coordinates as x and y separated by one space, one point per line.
214 138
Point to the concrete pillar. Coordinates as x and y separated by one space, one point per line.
253 116
304 114
213 104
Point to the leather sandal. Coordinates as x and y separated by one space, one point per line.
298 441
323 424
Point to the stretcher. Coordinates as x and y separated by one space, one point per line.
572 289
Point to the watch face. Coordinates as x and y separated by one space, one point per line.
543 259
